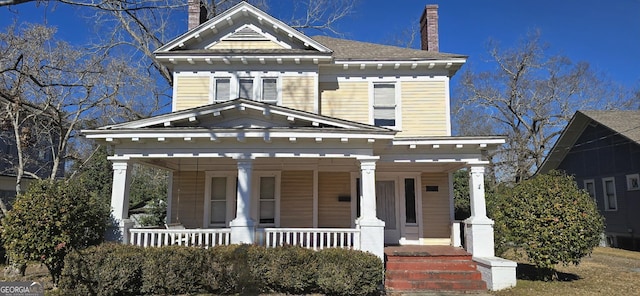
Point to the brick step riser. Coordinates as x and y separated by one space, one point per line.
431 275
442 265
435 285
428 259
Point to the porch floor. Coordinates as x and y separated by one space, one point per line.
420 270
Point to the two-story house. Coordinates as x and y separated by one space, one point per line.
280 138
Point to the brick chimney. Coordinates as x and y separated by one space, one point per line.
429 28
197 13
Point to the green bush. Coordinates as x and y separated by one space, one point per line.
172 270
236 269
108 269
550 219
345 272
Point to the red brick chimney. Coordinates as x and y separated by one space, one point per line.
197 13
429 28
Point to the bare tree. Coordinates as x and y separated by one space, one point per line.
529 97
48 92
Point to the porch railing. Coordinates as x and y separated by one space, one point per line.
313 238
184 237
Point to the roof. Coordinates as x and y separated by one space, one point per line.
623 123
344 49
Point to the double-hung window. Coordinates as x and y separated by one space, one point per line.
220 195
384 104
222 89
268 196
610 200
590 187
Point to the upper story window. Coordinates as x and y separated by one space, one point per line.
633 182
263 89
384 105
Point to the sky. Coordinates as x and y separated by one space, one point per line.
604 33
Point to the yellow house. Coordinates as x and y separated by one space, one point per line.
280 138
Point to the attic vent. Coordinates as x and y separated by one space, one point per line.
246 34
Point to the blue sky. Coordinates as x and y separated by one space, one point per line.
604 33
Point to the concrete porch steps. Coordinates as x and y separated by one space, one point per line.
412 269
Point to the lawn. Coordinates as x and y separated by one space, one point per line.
607 271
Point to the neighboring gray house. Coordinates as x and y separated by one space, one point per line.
602 150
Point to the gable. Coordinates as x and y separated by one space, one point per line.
246 24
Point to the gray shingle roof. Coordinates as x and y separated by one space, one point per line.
344 49
626 123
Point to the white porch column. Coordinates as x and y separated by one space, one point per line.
242 227
119 231
478 227
371 228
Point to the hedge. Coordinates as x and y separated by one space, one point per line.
113 269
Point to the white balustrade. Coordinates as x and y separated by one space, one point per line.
183 237
313 238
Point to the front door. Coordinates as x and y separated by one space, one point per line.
386 210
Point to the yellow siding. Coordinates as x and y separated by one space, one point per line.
191 91
188 199
298 92
296 199
346 100
331 212
424 110
435 206
255 44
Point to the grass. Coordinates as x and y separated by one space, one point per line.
607 271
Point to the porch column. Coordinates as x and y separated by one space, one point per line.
119 230
478 227
371 228
242 227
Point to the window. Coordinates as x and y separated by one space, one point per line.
220 194
252 88
410 200
590 187
633 182
609 187
268 197
384 104
222 90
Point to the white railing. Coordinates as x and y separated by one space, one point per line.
313 238
183 237
457 233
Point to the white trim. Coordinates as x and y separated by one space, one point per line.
354 197
607 207
230 201
633 182
174 92
447 105
255 197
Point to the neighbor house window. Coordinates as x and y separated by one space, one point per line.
633 182
590 187
609 188
384 104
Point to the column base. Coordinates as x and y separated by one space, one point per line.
118 231
478 234
497 272
372 236
242 231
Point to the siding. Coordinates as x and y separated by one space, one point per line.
424 110
265 44
191 91
298 92
296 199
331 212
346 100
188 198
435 206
